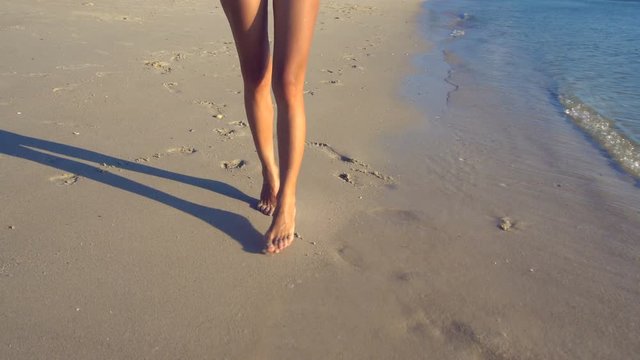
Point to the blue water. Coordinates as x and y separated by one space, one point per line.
582 56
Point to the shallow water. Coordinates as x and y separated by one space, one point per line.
581 57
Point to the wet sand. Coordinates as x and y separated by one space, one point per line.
128 178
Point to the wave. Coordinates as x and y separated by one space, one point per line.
621 148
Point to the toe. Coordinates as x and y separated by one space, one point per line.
281 243
263 208
269 247
286 241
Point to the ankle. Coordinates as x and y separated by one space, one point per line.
270 173
286 200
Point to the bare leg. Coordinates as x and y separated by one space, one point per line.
294 21
249 25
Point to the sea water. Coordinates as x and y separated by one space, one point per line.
580 56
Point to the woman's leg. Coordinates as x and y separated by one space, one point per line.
249 25
294 21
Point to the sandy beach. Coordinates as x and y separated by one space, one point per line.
129 176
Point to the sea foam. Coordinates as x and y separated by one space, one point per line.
622 149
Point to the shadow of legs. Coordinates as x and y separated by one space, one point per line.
236 226
9 141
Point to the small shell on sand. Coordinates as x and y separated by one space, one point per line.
506 224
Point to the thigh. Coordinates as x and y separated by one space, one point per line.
294 21
249 24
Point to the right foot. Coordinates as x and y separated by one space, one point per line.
268 195
282 230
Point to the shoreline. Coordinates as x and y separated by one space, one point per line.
575 233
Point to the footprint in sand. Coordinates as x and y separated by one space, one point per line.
216 109
172 87
227 134
8 265
406 276
233 164
234 92
334 74
335 82
460 336
465 339
184 150
418 324
351 256
159 66
181 150
346 177
64 179
355 165
401 216
107 167
327 149
311 92
178 57
240 124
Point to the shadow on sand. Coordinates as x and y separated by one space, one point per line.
236 226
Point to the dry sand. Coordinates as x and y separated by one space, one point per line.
128 175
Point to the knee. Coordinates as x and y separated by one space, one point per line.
255 74
287 86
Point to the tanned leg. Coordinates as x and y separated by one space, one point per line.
294 21
249 25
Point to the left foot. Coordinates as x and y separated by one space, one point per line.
282 229
268 195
